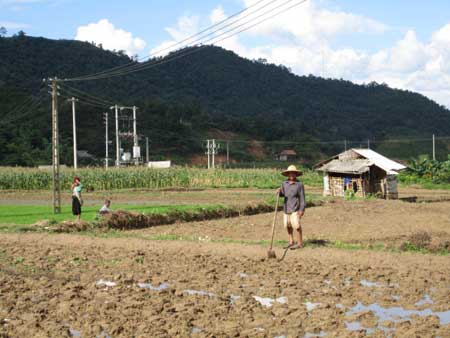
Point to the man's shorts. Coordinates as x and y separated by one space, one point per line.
292 220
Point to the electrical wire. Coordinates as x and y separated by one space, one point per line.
131 64
184 53
28 111
83 93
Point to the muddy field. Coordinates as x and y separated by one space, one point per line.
196 280
370 221
66 285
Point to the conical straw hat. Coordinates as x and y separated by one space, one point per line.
292 169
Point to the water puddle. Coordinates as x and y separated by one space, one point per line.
398 314
370 284
314 335
424 301
196 330
104 334
149 286
340 306
199 293
74 333
311 306
354 326
268 302
357 326
107 283
234 298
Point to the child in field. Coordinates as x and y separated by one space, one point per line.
105 209
294 205
77 202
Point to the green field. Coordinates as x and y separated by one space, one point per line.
29 214
145 178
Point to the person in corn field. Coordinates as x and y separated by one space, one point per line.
293 192
77 201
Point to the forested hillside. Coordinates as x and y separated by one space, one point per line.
183 100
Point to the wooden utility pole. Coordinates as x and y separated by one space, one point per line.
55 149
74 124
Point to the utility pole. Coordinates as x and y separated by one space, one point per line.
208 152
105 115
116 115
213 153
74 123
136 150
434 148
345 145
55 149
147 158
228 154
368 144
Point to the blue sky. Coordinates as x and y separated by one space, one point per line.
403 43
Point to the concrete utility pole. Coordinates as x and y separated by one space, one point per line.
213 153
136 152
74 124
116 116
147 157
208 152
345 145
368 144
105 115
434 148
55 148
228 154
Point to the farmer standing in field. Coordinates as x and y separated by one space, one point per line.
77 202
294 205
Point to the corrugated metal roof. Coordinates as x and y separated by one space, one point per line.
347 167
380 161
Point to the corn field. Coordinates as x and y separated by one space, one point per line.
145 178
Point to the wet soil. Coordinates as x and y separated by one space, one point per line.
70 285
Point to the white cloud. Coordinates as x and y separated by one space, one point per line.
303 39
110 37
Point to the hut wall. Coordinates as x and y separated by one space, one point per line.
378 182
391 187
337 187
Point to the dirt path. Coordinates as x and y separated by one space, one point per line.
49 288
359 221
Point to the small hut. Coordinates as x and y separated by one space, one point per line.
287 155
362 172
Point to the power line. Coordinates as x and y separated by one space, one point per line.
131 64
81 92
23 113
184 53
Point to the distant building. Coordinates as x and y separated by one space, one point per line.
362 171
84 155
287 155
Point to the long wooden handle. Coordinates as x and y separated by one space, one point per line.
274 220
